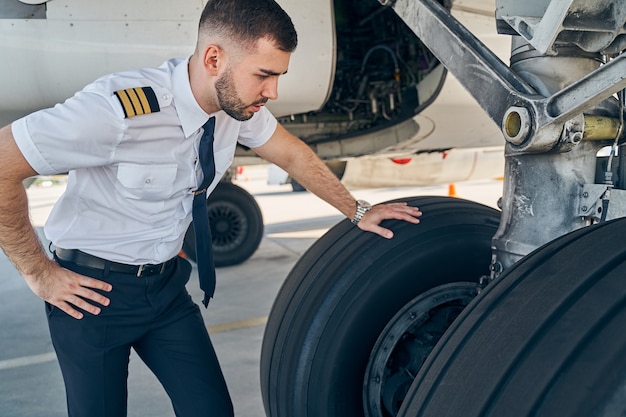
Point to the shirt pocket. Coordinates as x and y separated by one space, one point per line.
146 187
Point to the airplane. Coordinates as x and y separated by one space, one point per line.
52 50
476 311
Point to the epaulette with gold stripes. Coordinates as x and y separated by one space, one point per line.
138 101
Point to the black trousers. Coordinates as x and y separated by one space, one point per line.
156 317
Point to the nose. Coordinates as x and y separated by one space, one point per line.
270 88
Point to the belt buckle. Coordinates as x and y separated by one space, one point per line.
143 267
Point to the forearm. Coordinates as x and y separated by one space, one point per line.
18 238
321 181
295 157
61 288
302 164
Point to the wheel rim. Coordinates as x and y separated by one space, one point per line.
228 225
406 342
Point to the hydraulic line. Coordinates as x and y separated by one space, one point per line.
608 175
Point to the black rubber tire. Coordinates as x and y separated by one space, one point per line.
546 339
340 295
236 226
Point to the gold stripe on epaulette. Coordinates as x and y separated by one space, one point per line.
138 101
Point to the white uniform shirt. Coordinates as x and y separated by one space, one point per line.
131 180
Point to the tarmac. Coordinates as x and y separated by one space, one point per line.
30 378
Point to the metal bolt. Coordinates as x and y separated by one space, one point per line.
516 125
576 137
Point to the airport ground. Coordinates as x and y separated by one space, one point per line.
30 379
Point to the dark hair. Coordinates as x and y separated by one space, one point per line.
247 21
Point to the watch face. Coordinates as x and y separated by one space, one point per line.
364 204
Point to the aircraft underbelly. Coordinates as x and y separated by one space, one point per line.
48 59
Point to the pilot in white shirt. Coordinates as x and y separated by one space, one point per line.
130 144
143 168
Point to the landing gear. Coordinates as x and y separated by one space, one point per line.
236 226
545 339
358 313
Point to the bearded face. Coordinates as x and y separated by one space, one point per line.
229 99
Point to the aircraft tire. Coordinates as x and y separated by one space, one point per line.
545 339
236 226
340 296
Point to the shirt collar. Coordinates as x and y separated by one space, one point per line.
191 115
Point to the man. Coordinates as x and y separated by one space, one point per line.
130 143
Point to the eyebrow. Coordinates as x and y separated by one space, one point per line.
272 73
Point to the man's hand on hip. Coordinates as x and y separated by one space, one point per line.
67 290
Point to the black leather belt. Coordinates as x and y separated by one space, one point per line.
90 261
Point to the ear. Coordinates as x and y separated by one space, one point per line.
212 59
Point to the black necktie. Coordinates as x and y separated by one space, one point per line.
202 231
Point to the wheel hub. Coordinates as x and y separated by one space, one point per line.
406 342
228 224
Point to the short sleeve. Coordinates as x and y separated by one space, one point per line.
258 130
81 132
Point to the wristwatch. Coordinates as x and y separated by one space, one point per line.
362 207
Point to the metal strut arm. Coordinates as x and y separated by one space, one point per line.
507 99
